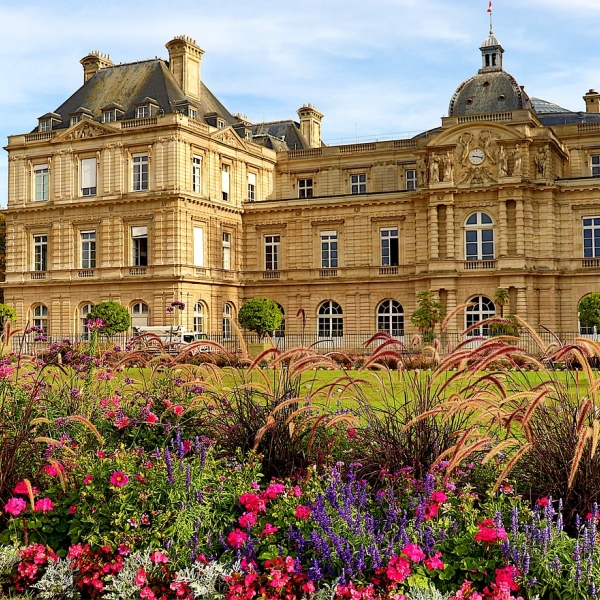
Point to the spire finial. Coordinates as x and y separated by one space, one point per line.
490 11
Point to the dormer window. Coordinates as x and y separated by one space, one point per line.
220 124
45 125
108 116
142 111
192 113
46 122
74 120
146 108
111 112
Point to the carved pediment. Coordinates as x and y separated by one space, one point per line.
230 137
84 130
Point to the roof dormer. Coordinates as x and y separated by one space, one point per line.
112 112
80 114
148 107
48 121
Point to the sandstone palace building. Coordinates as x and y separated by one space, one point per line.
142 188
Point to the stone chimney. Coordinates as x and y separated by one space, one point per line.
93 62
310 125
184 62
592 101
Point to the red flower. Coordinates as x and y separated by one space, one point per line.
15 506
414 552
302 512
21 488
274 489
439 497
253 503
248 519
44 504
269 529
434 562
541 502
6 371
140 578
398 569
178 409
489 533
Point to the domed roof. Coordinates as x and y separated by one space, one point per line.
491 92
490 41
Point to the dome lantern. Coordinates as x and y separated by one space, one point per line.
491 54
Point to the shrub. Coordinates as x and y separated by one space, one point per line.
428 314
260 315
115 317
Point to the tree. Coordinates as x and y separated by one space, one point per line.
589 310
115 317
428 315
260 315
7 313
2 253
501 298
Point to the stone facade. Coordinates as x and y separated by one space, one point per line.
151 204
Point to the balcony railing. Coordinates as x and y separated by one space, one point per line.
271 275
474 265
38 275
388 270
137 270
328 273
85 273
590 263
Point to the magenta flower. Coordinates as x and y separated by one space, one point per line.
158 557
302 512
6 371
44 504
119 479
87 480
94 324
269 529
237 538
274 489
247 519
15 506
140 578
413 552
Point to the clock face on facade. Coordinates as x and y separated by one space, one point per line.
476 156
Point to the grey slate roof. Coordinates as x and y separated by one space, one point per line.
279 135
130 84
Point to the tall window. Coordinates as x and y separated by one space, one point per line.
390 318
140 172
197 174
482 308
139 314
108 116
331 321
591 237
84 311
595 165
40 317
225 176
479 237
143 111
227 316
329 249
199 317
272 252
88 176
192 113
139 246
227 251
251 187
88 249
305 188
198 247
40 252
411 179
40 179
358 184
389 247
45 125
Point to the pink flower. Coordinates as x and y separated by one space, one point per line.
253 503
44 504
308 587
178 409
140 578
434 562
124 549
50 470
15 506
398 569
158 558
439 497
247 519
6 371
269 529
21 489
351 433
151 418
146 592
488 533
274 489
119 479
237 538
541 502
296 491
302 512
87 480
413 552
72 509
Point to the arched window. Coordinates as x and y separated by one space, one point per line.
40 317
390 318
331 322
199 317
479 237
83 319
483 308
227 316
139 314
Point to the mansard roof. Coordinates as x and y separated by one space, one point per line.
132 84
279 135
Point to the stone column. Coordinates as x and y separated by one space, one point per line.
502 230
520 226
434 245
450 245
522 303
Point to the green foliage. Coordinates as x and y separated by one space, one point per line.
501 298
261 315
428 315
115 316
589 310
508 326
7 313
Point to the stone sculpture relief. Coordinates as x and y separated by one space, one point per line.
422 172
434 168
87 130
518 160
448 167
502 162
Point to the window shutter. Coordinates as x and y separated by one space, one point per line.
88 173
198 247
225 182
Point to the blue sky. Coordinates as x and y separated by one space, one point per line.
382 68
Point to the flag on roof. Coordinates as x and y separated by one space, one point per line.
490 7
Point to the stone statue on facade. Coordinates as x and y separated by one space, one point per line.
422 179
502 162
448 168
462 148
518 158
542 162
434 168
